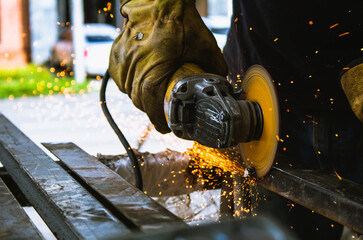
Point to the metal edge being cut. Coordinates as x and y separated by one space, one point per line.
260 154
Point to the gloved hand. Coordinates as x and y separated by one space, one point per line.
158 37
352 84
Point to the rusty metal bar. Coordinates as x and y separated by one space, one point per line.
120 196
14 222
68 209
338 199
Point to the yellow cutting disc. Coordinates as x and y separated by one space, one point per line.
260 154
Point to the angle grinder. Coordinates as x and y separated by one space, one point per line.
207 109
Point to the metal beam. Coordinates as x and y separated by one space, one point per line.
14 222
337 199
122 197
68 209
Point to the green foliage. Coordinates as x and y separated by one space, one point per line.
33 80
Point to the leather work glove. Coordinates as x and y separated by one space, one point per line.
352 84
158 37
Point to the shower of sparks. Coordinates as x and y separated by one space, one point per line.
226 160
223 167
145 134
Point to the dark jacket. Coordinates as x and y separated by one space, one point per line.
304 45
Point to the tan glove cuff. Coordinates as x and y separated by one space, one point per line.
352 84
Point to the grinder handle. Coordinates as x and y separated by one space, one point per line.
187 69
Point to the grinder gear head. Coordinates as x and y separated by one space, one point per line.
204 108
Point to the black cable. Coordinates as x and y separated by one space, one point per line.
130 152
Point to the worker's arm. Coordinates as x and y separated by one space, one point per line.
157 39
352 84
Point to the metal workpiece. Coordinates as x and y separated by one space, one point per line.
327 194
14 222
124 199
68 209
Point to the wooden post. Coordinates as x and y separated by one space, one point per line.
77 19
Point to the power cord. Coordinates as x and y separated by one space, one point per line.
116 129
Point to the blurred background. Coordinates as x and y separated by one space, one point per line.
40 31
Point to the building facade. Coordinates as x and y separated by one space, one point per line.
14 33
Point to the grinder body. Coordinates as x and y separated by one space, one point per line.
204 108
207 109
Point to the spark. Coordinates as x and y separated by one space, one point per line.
145 134
311 22
109 5
340 178
343 34
291 206
334 25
